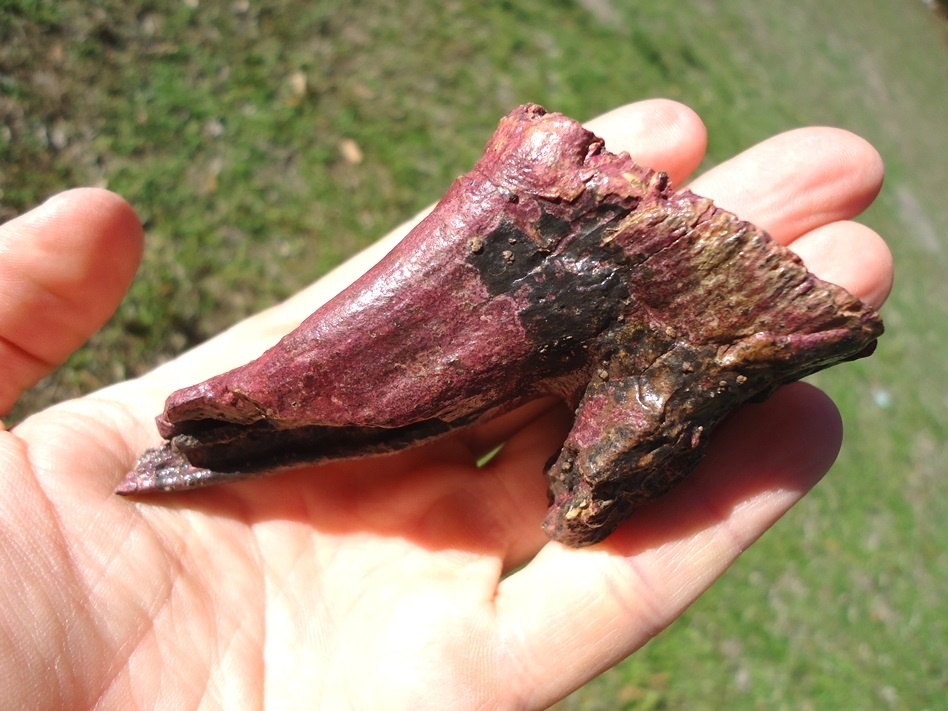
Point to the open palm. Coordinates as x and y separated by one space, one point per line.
414 580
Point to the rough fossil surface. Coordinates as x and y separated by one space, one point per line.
553 268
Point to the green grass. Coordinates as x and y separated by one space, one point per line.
223 123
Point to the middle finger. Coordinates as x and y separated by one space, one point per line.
796 181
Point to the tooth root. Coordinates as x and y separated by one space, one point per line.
637 435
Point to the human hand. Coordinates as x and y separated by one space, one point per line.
412 580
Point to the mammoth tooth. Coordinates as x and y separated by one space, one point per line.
553 268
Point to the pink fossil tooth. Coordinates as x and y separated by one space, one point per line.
553 267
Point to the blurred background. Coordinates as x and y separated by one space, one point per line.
264 141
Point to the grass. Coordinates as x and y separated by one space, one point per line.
230 126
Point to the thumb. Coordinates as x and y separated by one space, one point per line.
64 268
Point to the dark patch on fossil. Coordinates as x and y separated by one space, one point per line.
566 298
553 268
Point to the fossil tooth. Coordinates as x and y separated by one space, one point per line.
553 268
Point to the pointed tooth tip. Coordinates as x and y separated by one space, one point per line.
133 483
128 486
